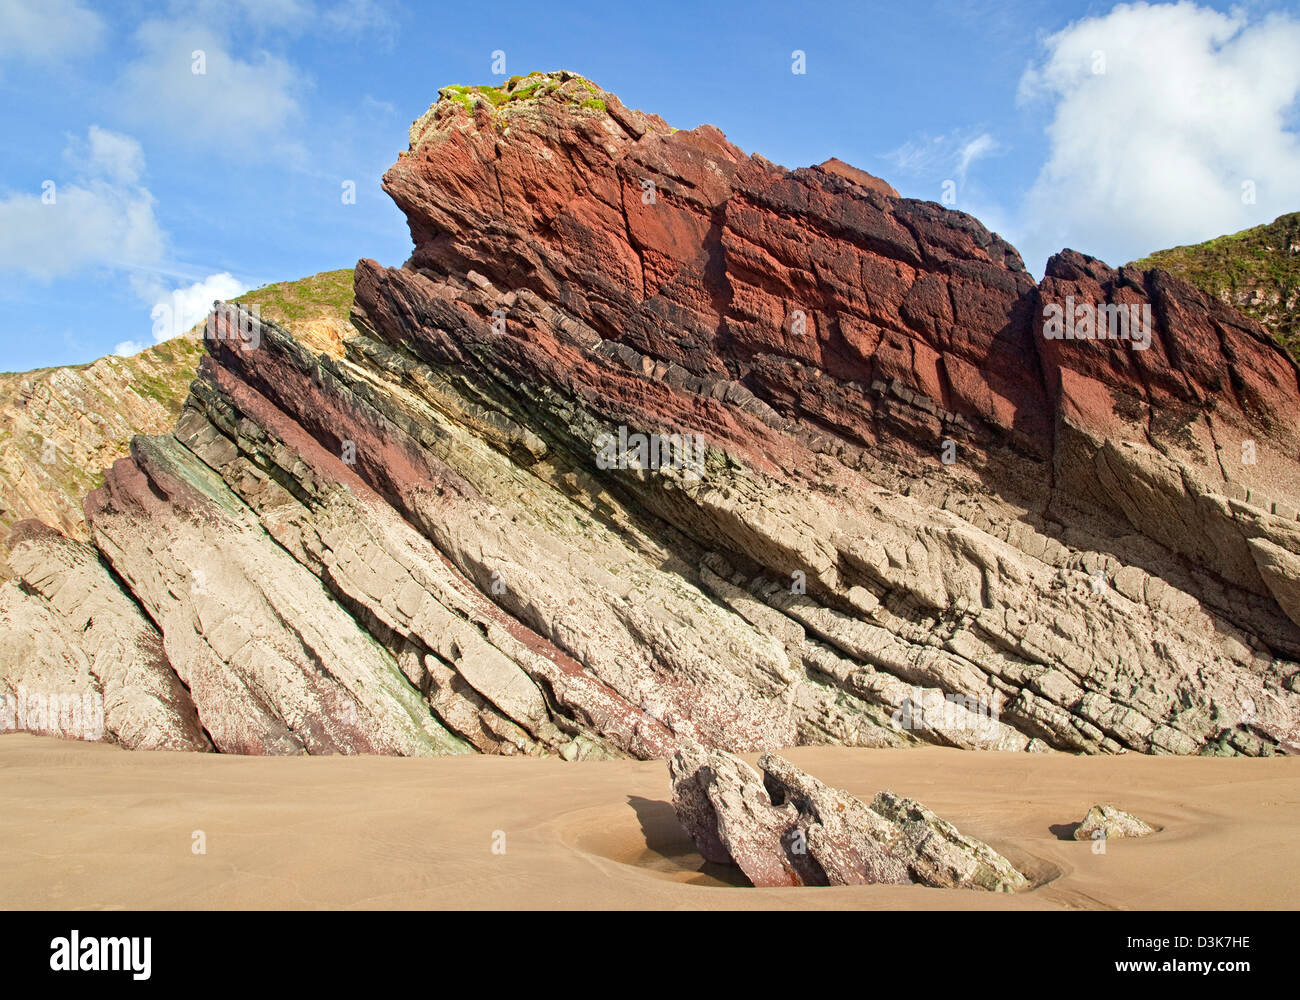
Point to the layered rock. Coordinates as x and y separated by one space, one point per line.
654 443
1257 271
786 828
78 659
61 427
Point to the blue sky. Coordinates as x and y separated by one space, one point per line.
1114 129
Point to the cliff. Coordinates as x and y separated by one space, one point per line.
61 427
652 442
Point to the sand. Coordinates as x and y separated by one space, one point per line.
88 825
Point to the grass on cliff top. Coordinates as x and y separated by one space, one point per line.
162 372
327 295
523 88
1260 258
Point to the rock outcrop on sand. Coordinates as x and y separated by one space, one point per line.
1105 822
786 828
79 658
652 443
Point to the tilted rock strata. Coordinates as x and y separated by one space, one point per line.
1006 579
273 663
1257 271
59 427
78 659
422 545
784 827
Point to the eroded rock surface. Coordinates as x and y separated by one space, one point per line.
1105 822
784 827
653 443
60 427
78 659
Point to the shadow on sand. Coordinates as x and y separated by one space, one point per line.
670 848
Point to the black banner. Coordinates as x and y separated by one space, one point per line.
576 950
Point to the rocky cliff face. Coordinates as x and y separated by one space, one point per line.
652 443
61 427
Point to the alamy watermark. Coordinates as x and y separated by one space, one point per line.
91 953
235 323
1101 321
940 711
653 452
78 716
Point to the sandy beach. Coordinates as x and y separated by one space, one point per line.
87 825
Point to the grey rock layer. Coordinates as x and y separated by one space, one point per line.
77 657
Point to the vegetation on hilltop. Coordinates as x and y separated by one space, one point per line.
327 295
1257 271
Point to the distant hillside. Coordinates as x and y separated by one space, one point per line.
60 428
1256 270
314 309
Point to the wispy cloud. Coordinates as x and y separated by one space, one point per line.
950 155
100 217
189 88
103 219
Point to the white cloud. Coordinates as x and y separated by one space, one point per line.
104 219
322 17
119 156
281 13
177 313
355 16
247 102
47 30
1161 114
101 218
235 107
113 155
982 145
